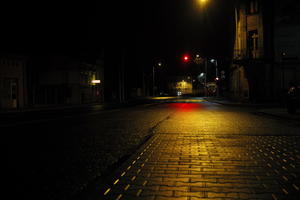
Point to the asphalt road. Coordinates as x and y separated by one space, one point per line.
186 149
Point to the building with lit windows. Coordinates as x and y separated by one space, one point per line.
180 85
266 55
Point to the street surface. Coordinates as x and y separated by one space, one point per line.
185 149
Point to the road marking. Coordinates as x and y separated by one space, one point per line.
116 181
145 182
285 191
107 191
285 178
123 174
274 197
133 178
139 192
127 186
296 187
119 197
269 165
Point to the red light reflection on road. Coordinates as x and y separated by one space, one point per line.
186 107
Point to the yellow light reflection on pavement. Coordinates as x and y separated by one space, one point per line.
177 99
207 153
163 98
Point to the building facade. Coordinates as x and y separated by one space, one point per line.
180 85
266 50
59 80
13 82
39 81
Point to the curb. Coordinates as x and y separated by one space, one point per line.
233 104
278 116
102 107
241 104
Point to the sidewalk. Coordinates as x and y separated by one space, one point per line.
89 106
280 112
228 102
264 109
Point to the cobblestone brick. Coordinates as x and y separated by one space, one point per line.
194 165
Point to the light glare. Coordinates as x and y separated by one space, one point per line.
96 81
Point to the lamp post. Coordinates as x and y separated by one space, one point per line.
214 61
159 64
200 60
216 65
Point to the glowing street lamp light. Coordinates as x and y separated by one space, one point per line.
202 2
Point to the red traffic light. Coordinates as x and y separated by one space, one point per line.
186 58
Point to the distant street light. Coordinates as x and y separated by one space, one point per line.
159 64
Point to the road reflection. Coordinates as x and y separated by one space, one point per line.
186 107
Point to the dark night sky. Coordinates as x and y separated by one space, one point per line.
169 28
151 29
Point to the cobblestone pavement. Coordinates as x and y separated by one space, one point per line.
206 153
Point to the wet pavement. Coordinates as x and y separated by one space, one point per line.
196 150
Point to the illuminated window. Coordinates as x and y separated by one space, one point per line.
252 7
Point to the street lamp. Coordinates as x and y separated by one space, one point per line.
159 64
214 61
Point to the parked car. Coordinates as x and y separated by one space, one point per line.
293 98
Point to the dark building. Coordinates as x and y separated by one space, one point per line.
44 80
266 54
57 80
13 82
